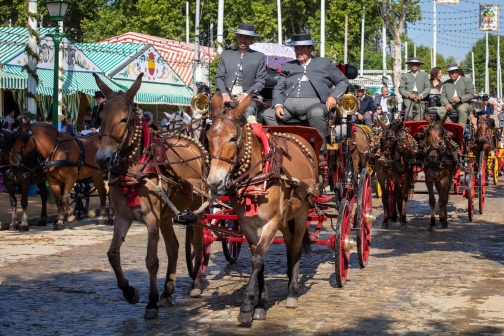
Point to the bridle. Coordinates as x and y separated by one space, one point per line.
25 136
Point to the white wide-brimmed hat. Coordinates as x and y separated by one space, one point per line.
453 67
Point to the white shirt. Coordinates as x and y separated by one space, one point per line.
415 88
455 94
383 104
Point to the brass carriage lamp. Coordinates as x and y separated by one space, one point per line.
57 10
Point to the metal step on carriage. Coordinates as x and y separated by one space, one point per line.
353 201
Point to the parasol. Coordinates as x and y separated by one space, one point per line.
276 54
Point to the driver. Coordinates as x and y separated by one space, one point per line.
303 91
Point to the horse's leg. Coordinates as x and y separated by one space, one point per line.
65 199
408 176
56 189
385 202
43 197
14 226
102 192
25 186
432 204
256 264
198 261
444 195
152 222
172 248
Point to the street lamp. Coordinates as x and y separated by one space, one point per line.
57 10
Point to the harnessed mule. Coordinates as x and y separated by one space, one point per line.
271 190
483 141
151 178
22 177
441 160
66 160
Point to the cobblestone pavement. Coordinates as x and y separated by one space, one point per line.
417 283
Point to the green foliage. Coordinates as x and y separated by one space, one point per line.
213 72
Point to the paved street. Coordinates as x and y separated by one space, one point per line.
417 283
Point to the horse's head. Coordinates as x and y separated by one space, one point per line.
388 141
118 122
435 145
226 139
483 129
24 144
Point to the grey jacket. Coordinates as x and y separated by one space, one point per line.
500 117
464 87
322 74
254 71
408 84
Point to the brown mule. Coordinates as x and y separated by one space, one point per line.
181 161
482 141
14 176
440 165
63 166
234 150
396 164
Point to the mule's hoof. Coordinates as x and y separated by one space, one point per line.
245 317
393 218
195 293
432 228
4 226
292 302
151 313
165 301
72 224
24 227
384 226
42 222
444 225
14 227
131 295
110 222
101 221
259 314
58 227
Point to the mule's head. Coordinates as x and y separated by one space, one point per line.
23 145
116 125
434 137
226 143
482 127
388 141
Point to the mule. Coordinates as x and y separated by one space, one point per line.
278 202
15 176
440 165
66 160
396 164
483 141
175 165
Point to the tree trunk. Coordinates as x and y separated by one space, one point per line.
397 65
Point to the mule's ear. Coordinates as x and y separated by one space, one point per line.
239 110
132 91
102 86
217 103
382 124
427 117
443 120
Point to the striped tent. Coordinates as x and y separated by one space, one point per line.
10 81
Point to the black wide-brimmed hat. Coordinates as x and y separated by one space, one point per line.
414 60
302 40
245 29
99 94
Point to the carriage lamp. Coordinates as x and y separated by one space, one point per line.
57 10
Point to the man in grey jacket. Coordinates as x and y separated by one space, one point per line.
303 91
414 87
241 71
458 91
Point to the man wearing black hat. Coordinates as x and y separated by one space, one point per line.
303 91
458 91
414 87
241 71
95 119
488 110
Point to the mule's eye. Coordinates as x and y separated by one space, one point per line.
124 120
233 139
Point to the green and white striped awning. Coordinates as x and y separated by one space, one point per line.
156 93
10 81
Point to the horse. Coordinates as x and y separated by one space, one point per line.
276 200
66 160
398 152
441 163
483 141
149 189
21 177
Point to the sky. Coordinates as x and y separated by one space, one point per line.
457 26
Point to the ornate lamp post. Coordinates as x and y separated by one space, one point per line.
57 10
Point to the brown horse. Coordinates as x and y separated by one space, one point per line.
280 200
149 192
396 164
483 141
15 176
440 165
66 160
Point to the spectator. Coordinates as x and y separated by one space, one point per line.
9 118
69 128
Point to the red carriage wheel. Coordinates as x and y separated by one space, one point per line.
363 215
231 249
343 243
482 181
470 193
189 252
